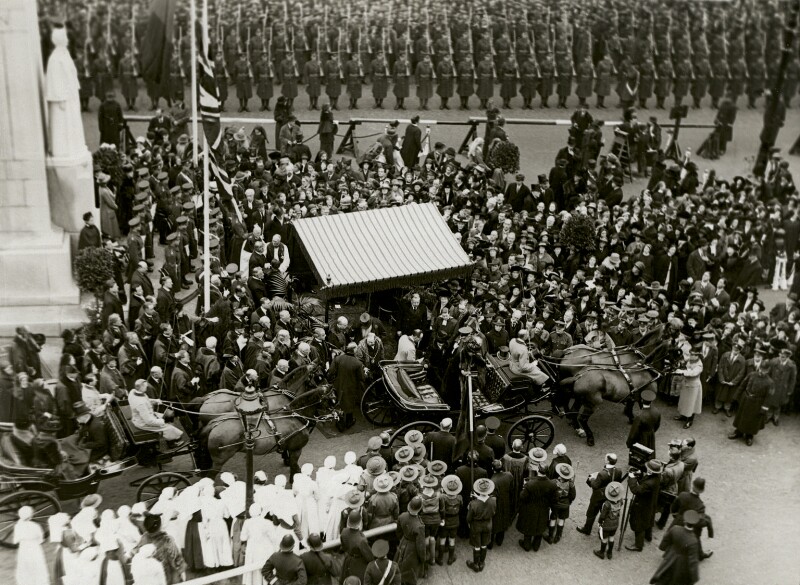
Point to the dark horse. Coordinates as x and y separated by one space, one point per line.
594 375
283 423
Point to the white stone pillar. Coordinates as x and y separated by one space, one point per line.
35 259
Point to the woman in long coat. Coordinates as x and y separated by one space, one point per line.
109 224
689 389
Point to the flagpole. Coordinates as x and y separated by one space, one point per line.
471 426
206 196
193 37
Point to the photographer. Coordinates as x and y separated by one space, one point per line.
670 477
643 506
645 424
598 482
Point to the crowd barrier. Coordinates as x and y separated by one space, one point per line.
348 145
238 571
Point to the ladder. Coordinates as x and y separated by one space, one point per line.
622 150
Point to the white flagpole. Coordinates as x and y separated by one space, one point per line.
193 37
206 197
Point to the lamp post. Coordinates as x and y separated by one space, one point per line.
248 405
775 110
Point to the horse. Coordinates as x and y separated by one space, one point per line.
284 423
593 375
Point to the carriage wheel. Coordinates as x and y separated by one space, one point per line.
44 505
534 431
151 488
424 426
377 406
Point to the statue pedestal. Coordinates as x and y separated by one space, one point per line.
71 190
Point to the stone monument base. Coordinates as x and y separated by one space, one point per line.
71 192
36 286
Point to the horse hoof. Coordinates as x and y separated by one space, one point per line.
581 433
590 441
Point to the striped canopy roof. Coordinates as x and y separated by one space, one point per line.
367 251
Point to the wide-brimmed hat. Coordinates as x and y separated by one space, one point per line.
413 437
429 481
614 491
365 318
395 475
404 454
437 467
376 465
383 483
415 506
451 485
537 455
92 501
565 471
409 473
355 498
654 466
483 486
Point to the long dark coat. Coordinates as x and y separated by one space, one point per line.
729 371
357 554
411 551
750 417
503 492
412 144
110 121
380 81
644 427
538 496
643 507
347 376
681 559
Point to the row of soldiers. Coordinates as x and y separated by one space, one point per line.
528 47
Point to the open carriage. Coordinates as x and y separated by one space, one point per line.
404 397
23 483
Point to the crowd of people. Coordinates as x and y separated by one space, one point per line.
641 51
411 503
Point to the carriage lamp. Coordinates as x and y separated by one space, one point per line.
248 404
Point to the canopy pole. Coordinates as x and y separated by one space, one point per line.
193 37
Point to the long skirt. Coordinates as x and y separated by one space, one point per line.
690 401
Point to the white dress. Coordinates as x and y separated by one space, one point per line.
334 515
306 495
260 534
216 542
147 571
31 562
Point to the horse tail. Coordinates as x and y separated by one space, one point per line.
202 454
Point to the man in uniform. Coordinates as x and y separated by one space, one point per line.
466 82
244 83
664 79
485 75
702 70
263 79
312 77
424 75
529 73
559 340
128 84
285 566
508 81
645 425
446 72
380 79
440 445
289 79
401 73
110 120
221 77
352 75
564 72
683 81
333 80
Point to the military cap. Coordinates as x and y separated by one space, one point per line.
172 237
182 220
142 185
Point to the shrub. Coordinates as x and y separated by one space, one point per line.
93 268
578 233
504 155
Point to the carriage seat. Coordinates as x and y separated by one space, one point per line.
136 435
17 452
412 391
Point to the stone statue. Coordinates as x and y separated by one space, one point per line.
66 139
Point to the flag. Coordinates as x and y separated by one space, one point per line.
157 44
209 107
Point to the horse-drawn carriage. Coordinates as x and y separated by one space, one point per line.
404 394
22 483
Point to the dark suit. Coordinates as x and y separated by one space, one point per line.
89 238
644 427
538 497
516 193
412 319
681 559
348 378
111 304
165 306
643 506
412 144
92 436
440 445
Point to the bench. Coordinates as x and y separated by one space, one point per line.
134 435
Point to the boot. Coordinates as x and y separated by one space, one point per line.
483 558
610 551
559 532
335 104
445 100
549 538
475 563
544 102
602 552
440 555
585 529
451 554
660 103
431 551
600 100
642 103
